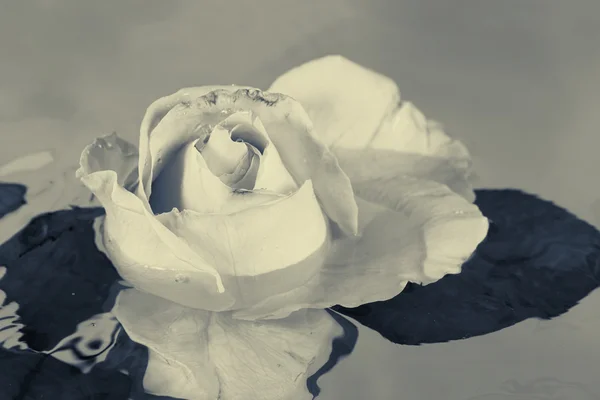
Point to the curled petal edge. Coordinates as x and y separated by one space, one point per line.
154 271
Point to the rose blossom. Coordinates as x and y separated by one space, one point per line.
244 205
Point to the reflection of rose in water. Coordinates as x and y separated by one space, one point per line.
90 344
10 327
540 389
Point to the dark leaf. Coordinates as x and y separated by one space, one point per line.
56 275
12 196
537 261
58 279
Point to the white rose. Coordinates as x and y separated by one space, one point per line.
262 204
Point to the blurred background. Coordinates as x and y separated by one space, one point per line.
518 81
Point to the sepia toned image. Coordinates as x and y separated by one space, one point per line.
286 200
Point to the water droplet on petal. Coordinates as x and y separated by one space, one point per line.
180 278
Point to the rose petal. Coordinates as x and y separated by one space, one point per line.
412 230
409 144
354 108
272 174
186 183
367 165
262 250
250 132
345 101
194 354
221 153
304 156
259 239
147 254
110 153
244 175
407 130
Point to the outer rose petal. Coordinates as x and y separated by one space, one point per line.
260 251
345 101
364 166
407 130
144 251
199 355
164 130
354 108
412 230
110 153
407 143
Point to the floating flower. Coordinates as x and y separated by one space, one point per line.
243 214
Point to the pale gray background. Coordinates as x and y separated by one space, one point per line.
517 81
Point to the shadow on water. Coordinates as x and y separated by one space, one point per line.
56 290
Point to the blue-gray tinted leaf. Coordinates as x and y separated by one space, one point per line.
12 196
537 261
